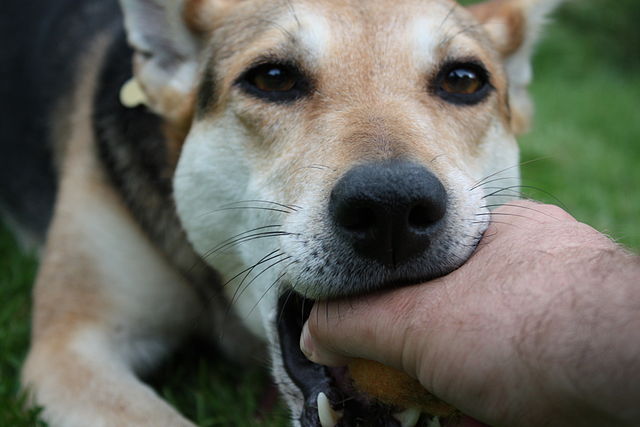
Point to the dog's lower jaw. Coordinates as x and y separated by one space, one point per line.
319 396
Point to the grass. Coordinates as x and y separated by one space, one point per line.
587 137
588 122
17 272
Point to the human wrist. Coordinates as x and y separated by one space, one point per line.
523 319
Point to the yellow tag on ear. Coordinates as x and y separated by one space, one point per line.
131 94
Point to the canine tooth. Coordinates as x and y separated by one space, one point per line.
409 417
328 417
434 422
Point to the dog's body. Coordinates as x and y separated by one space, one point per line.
312 149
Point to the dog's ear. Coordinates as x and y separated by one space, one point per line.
167 37
514 27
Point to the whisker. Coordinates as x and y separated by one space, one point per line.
304 303
292 291
530 187
280 28
266 258
466 29
215 248
519 207
446 18
248 272
270 287
488 222
491 181
269 257
282 205
284 304
238 240
234 299
245 239
246 232
514 193
502 214
481 181
293 12
237 208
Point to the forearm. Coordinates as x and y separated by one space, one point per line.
591 342
573 356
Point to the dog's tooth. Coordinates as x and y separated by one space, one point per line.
434 422
409 417
328 417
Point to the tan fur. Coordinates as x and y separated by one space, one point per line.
73 304
358 116
507 14
107 303
200 15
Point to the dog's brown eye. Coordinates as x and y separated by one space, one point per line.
462 83
273 78
274 82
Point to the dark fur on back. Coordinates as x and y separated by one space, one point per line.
42 41
46 42
133 149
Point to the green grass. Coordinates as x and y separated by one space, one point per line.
210 393
217 394
586 135
587 127
17 272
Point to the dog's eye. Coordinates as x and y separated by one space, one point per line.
274 82
272 78
462 83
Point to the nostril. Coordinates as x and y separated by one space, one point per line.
422 216
357 219
419 218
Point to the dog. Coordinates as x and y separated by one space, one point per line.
215 166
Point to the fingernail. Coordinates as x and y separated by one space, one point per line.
306 343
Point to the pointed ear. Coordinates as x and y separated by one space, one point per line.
514 27
167 37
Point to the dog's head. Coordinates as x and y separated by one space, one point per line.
335 147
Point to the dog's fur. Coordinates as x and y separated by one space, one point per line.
140 205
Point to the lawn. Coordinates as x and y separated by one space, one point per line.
584 150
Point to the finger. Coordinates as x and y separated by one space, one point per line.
372 327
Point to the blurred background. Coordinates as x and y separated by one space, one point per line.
587 127
582 153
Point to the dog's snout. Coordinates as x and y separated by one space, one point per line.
388 211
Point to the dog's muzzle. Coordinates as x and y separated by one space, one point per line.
388 223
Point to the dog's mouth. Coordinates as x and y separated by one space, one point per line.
330 399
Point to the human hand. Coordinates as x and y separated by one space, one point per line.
541 326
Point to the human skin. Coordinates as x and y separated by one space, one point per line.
540 327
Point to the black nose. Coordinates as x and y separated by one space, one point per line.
388 211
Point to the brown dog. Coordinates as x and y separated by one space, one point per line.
290 150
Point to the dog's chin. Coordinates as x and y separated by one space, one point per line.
330 398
